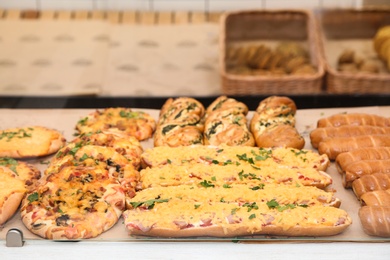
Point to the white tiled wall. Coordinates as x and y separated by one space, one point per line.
175 5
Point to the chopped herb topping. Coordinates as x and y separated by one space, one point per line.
252 216
148 203
129 114
273 204
207 184
33 197
10 163
226 186
258 187
21 133
250 206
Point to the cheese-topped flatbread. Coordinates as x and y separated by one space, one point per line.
118 121
74 203
23 171
12 191
31 141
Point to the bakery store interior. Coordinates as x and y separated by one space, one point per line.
216 127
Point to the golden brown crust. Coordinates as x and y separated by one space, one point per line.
118 120
32 141
373 182
10 206
74 203
375 220
322 133
281 136
180 123
376 198
270 230
12 191
354 119
358 169
226 123
369 153
273 124
224 102
337 145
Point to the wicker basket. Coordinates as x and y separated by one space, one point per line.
353 29
280 25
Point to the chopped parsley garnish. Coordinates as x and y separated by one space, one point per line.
252 216
129 114
250 206
258 187
10 163
207 184
33 197
273 204
196 206
21 133
82 121
234 211
244 157
148 203
226 186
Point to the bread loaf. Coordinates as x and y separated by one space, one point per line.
320 134
354 119
369 153
373 182
180 123
376 198
375 220
367 167
226 123
273 124
337 145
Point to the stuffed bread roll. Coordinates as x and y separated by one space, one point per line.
273 124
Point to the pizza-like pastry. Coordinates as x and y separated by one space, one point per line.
100 157
27 142
128 146
75 203
118 120
12 190
23 171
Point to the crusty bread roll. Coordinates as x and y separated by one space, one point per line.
180 123
226 123
273 123
358 169
376 198
323 133
366 153
354 119
373 182
375 220
334 146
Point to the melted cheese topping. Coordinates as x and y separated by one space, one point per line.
218 175
28 141
242 155
9 184
123 120
283 194
177 215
